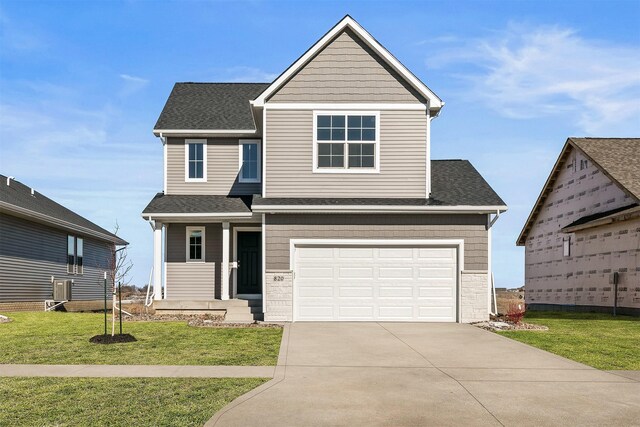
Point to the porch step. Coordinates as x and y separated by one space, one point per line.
235 310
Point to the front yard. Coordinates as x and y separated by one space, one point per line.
63 338
598 340
116 401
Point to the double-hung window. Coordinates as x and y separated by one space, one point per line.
346 142
195 243
75 255
195 154
250 166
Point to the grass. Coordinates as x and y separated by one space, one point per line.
63 338
116 401
598 340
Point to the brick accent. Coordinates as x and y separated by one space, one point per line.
279 287
473 297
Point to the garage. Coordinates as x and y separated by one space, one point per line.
375 281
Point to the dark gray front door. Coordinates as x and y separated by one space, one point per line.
249 262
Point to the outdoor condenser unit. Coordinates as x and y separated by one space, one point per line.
62 290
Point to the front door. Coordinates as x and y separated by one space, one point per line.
249 262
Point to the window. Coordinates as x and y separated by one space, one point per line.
195 160
195 243
346 142
75 249
71 254
584 164
566 246
249 160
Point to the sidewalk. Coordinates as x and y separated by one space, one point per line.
137 371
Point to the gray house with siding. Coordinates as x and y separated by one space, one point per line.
42 244
315 198
583 234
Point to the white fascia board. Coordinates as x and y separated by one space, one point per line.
58 223
376 209
212 132
198 215
348 22
343 106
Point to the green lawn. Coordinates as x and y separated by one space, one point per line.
598 340
63 338
116 401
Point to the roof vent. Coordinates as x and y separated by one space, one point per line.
33 192
9 178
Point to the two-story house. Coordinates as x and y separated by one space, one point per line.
582 237
315 198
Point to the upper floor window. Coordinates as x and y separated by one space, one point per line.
75 255
249 160
195 160
195 243
346 142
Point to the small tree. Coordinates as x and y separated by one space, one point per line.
515 313
120 275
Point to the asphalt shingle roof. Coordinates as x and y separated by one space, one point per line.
454 183
174 203
19 195
594 217
210 106
617 157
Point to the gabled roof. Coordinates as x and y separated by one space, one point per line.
209 106
435 103
617 158
17 199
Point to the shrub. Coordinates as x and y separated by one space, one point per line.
515 313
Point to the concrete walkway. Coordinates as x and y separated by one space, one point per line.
408 374
136 371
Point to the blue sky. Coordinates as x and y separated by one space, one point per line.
82 84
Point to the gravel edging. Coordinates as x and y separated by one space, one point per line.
208 323
4 319
496 326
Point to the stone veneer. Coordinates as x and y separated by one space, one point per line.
474 297
279 296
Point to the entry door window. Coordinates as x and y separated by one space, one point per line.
195 244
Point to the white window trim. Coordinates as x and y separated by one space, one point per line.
346 169
256 142
186 160
188 235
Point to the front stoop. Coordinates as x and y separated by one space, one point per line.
234 310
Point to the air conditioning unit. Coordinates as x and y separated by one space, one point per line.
62 290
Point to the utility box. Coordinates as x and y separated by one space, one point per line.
62 290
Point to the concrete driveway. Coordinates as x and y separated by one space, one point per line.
409 374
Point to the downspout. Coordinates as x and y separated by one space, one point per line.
491 284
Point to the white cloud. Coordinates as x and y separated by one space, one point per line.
132 84
242 74
526 72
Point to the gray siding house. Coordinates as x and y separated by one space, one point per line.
43 243
583 233
315 198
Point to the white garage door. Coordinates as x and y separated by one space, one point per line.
386 283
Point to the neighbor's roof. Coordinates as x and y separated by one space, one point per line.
209 106
16 199
617 158
197 204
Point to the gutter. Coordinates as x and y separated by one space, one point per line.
376 209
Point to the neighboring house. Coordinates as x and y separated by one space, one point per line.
43 244
315 197
584 229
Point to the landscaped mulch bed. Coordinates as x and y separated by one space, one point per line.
499 325
112 339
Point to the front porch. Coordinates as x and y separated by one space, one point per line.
233 310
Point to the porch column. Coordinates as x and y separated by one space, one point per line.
157 261
225 261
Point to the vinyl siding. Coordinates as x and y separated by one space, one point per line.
280 229
289 159
30 253
583 277
346 70
222 169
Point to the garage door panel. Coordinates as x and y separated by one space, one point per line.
375 283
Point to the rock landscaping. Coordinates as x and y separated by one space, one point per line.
500 325
4 319
210 323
